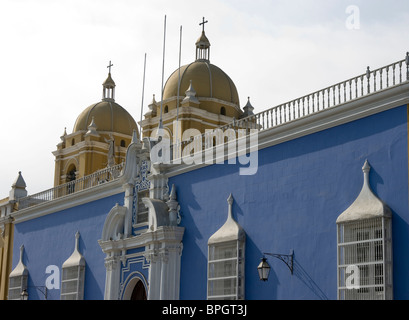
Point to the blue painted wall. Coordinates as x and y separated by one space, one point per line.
293 201
50 240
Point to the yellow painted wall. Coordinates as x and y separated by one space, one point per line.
6 257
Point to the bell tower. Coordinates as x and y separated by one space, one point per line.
99 140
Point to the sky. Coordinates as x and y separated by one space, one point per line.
54 57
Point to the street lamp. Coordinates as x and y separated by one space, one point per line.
264 268
42 289
24 295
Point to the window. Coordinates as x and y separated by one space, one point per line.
18 279
123 143
364 234
226 253
225 271
70 179
72 283
223 111
365 245
142 213
73 275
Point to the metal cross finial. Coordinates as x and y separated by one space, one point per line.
109 66
203 23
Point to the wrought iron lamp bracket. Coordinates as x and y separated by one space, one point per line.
288 259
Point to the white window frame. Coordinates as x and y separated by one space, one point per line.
72 283
73 275
16 286
365 245
230 236
233 274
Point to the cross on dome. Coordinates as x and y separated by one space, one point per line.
109 66
108 91
203 45
203 23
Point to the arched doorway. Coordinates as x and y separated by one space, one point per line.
139 292
135 289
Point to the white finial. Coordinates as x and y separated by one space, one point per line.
77 240
230 202
366 169
20 269
76 258
21 253
92 128
172 195
190 94
231 230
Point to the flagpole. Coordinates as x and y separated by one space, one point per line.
163 70
143 94
178 102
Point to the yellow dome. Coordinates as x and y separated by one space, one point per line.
208 80
108 116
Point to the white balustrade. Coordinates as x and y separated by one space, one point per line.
92 180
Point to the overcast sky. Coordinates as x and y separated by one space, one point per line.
54 56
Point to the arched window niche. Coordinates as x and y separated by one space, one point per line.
226 256
364 233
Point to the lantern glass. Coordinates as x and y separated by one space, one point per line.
263 270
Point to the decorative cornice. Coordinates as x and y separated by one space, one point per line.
162 234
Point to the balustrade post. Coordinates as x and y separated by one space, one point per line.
374 81
407 65
368 76
400 72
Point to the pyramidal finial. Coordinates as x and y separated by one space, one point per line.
92 128
190 94
248 108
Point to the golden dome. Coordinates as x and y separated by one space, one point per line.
108 116
208 80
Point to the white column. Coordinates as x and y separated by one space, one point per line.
112 277
128 204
